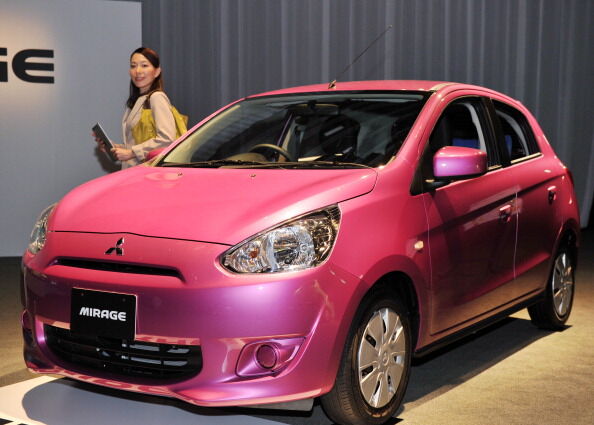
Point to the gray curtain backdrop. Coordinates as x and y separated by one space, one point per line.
538 51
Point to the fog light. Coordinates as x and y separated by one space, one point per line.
266 356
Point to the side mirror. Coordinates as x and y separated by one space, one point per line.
459 163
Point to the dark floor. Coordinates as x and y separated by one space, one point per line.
511 373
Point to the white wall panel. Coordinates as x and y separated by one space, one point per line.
45 143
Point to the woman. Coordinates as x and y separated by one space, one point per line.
146 92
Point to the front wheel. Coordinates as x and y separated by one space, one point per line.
375 365
553 311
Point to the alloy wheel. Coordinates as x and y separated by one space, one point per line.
563 284
381 357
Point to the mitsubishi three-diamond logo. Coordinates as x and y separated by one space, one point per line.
117 248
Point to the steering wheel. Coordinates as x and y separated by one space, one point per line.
268 146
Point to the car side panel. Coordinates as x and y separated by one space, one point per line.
539 217
472 249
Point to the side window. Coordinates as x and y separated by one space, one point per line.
461 124
518 139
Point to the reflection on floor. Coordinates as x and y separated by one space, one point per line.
50 401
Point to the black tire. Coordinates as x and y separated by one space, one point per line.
554 310
379 336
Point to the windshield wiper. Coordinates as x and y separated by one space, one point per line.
324 164
215 163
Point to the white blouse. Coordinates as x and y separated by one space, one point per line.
165 126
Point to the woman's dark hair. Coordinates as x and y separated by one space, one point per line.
153 58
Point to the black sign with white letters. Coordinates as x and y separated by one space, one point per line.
98 313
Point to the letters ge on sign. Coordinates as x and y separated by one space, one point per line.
21 65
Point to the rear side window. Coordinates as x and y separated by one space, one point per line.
518 139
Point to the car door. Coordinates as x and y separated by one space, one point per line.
471 223
538 182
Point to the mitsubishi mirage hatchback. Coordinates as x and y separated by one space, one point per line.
305 243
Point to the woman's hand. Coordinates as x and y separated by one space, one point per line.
119 151
123 154
100 144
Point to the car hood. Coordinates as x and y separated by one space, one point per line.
211 205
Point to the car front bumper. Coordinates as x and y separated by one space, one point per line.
186 299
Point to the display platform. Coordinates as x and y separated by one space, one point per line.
55 401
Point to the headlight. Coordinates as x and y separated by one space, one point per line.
38 234
298 244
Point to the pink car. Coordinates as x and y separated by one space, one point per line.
305 243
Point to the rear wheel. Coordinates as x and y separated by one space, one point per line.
375 367
553 311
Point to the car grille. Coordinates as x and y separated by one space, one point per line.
117 267
123 358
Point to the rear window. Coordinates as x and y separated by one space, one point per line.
518 139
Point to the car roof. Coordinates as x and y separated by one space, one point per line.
373 85
429 86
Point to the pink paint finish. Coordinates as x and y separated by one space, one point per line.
185 204
405 201
459 162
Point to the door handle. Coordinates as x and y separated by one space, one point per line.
552 193
505 213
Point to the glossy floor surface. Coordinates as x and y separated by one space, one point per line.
510 373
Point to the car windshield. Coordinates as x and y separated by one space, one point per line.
342 129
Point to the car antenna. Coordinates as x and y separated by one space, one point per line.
332 84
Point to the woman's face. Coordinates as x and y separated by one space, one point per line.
142 72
